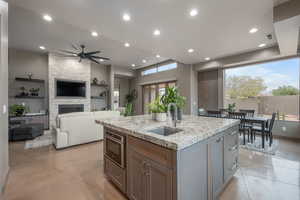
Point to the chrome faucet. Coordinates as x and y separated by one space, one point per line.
173 121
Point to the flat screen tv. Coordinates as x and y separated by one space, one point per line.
70 88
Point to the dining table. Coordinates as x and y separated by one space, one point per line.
259 120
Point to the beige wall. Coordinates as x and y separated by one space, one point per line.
100 72
185 76
4 167
123 85
20 64
241 59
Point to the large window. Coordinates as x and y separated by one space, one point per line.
159 68
271 87
151 92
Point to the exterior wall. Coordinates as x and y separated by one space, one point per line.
20 64
69 69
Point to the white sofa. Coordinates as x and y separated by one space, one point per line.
80 128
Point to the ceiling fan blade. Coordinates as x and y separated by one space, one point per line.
69 52
60 54
75 47
92 52
94 60
98 57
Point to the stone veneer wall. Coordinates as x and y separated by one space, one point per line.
68 69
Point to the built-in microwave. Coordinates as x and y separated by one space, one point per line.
114 148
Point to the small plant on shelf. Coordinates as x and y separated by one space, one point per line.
34 92
17 110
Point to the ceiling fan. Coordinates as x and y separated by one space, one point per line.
81 54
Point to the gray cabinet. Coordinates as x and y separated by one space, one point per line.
217 165
231 147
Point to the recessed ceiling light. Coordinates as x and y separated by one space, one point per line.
262 45
253 30
133 65
144 61
101 60
42 47
207 58
126 17
193 12
191 50
47 18
94 34
157 56
156 32
127 44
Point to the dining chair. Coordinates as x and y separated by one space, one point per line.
214 113
249 113
267 131
243 129
223 110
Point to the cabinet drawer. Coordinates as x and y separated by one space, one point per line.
156 153
115 173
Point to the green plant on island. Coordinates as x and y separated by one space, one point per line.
157 106
172 96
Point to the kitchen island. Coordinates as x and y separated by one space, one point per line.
149 160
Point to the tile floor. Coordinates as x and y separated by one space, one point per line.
77 174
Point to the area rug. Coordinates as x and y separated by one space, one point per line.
41 141
257 146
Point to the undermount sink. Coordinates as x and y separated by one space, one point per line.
165 130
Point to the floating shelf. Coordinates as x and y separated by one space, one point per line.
97 97
30 80
99 85
29 97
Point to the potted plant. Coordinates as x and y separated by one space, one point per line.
231 107
158 110
23 91
34 92
17 110
130 97
172 96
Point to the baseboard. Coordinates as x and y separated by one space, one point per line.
3 185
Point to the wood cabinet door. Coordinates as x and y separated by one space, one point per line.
217 160
158 181
136 182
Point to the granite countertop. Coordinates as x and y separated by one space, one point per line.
195 129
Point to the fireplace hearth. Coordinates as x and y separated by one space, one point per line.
70 108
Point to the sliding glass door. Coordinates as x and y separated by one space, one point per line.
152 91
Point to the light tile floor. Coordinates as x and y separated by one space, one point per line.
77 174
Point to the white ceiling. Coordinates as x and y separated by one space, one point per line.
220 29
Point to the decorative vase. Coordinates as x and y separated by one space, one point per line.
161 117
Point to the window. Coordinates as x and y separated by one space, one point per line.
167 67
151 92
149 71
160 68
271 87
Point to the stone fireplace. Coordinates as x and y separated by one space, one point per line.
67 69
